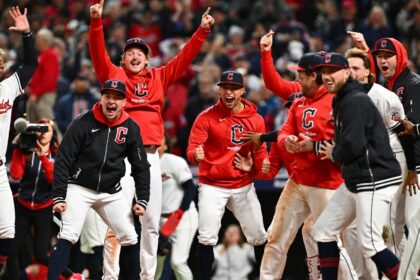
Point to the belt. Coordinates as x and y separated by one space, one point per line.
151 149
166 215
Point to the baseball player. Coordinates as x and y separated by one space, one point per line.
391 58
307 120
369 168
10 88
391 110
145 93
213 143
87 173
179 221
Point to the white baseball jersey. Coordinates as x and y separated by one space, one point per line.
390 108
175 172
10 88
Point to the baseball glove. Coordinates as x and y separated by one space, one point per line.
164 246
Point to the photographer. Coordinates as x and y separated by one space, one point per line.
32 165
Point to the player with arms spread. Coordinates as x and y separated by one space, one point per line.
145 93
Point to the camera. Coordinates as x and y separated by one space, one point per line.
28 137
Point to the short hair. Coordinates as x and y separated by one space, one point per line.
46 35
364 56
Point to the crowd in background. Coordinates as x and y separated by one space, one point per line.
300 26
68 86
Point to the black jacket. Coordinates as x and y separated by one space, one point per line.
92 155
362 142
407 87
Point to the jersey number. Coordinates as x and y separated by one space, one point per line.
307 114
234 131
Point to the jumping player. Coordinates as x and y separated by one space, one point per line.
87 173
10 88
145 92
213 143
369 168
179 215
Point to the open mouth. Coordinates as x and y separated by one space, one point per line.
384 68
111 109
229 100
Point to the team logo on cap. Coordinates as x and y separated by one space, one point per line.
114 84
327 58
230 76
383 43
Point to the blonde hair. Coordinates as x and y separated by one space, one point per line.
3 55
364 56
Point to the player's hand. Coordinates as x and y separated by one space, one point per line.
408 127
266 41
291 144
266 165
96 10
306 144
138 210
207 20
326 148
60 207
21 21
199 153
252 138
411 183
359 40
243 163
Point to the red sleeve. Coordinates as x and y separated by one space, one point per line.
17 165
100 59
372 65
179 64
289 127
273 81
261 153
48 166
198 136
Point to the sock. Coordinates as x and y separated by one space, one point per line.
387 263
59 258
205 261
5 250
259 253
130 262
329 257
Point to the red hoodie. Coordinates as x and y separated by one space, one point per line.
145 90
218 130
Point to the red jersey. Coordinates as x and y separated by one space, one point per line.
312 117
272 79
47 73
145 90
219 131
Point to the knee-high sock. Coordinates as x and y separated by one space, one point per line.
205 260
59 258
388 263
329 257
130 262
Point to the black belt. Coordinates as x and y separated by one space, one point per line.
151 148
166 215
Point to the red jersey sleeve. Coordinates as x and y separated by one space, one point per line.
48 166
372 65
275 164
17 164
272 79
261 152
100 59
198 136
174 69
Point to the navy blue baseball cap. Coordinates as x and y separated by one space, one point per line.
292 98
333 60
384 45
137 43
114 85
308 61
231 77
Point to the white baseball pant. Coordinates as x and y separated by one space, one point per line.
410 261
7 208
112 208
367 208
149 222
181 240
296 203
242 202
93 232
